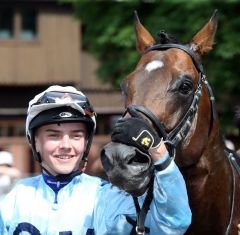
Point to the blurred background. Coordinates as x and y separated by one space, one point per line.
91 45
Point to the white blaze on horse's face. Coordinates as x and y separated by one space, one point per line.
153 65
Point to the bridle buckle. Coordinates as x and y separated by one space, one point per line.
139 231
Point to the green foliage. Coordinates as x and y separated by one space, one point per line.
109 35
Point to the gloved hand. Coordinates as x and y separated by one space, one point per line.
135 132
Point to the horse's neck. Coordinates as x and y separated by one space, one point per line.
213 166
209 185
212 160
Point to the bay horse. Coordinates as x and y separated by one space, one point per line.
169 87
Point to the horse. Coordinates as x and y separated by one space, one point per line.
169 88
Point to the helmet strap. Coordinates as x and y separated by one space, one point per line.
60 177
38 157
46 169
86 152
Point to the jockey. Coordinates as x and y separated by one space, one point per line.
63 199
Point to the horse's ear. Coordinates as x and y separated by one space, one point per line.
203 41
143 38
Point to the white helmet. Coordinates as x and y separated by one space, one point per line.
6 158
59 104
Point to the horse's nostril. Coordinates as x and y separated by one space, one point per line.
138 159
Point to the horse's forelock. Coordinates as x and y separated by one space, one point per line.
166 38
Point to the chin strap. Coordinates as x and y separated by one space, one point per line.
70 176
61 177
46 169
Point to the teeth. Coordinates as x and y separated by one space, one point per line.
64 157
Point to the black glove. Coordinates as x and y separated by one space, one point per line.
135 132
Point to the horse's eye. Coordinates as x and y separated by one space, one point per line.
185 88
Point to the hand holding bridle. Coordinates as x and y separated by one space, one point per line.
136 132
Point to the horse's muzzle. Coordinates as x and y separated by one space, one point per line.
127 167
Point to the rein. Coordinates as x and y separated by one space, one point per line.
230 157
234 162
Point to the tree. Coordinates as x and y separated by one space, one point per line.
108 33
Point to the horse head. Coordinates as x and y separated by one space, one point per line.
165 82
170 89
169 80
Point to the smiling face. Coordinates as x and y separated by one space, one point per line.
61 146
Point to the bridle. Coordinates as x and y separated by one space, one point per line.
178 133
174 137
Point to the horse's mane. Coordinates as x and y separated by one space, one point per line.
165 38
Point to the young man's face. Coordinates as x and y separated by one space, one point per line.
61 146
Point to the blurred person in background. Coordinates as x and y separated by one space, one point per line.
8 173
